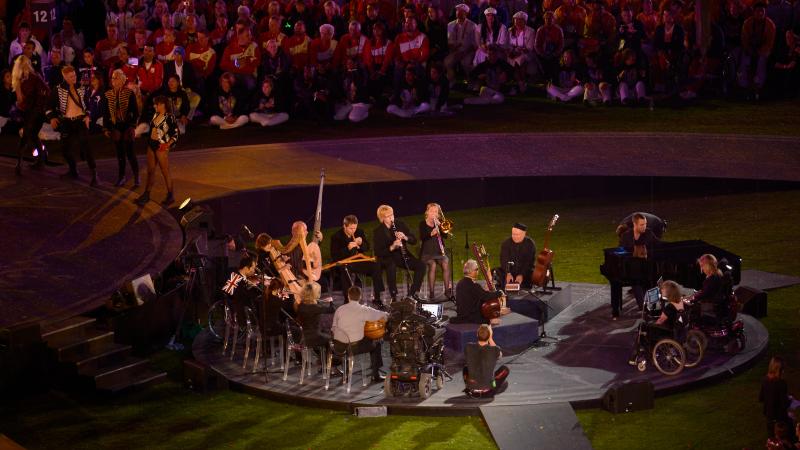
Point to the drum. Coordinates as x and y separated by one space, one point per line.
375 330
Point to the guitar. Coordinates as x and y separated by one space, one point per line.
541 271
314 254
494 308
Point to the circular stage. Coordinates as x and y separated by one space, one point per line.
589 356
67 246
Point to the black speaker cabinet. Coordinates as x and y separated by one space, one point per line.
200 378
753 301
629 397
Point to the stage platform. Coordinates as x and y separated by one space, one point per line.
67 246
589 356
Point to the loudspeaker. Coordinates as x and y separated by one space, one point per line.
753 301
200 378
629 397
200 216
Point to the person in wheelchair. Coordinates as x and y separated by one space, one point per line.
480 377
348 329
671 323
714 296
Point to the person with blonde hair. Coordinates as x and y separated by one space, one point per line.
309 312
32 96
120 112
433 251
774 394
392 240
711 296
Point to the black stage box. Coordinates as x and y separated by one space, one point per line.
629 397
753 301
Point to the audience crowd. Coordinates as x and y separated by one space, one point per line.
232 62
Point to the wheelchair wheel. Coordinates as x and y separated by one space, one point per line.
641 363
216 319
736 344
703 339
388 390
425 385
693 348
669 357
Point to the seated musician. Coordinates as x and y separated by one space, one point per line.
639 241
392 239
242 292
348 329
712 298
265 264
308 315
672 315
297 258
517 256
347 242
432 250
480 377
470 296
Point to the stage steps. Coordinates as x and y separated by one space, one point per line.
98 362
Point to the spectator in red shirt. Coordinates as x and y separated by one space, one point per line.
107 50
297 46
353 45
241 58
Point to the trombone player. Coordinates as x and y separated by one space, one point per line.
433 230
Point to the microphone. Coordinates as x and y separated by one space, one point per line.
247 230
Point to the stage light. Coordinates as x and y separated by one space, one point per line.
185 203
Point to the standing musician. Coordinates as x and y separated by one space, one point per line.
241 291
347 242
470 296
69 116
517 256
639 241
391 248
432 250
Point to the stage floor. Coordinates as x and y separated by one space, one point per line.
590 355
67 246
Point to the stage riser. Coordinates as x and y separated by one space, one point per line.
515 332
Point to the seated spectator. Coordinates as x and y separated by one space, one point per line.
353 45
24 36
787 74
273 32
52 73
323 47
186 78
150 76
107 50
549 45
668 44
94 102
651 19
124 65
758 38
297 47
179 102
492 75
571 18
298 11
631 79
29 50
439 90
373 18
492 33
69 36
119 14
166 48
462 40
266 108
355 105
597 86
190 29
221 35
436 31
521 54
566 86
166 26
480 377
227 108
332 16
87 67
204 60
137 36
599 30
411 97
412 52
631 31
382 56
66 52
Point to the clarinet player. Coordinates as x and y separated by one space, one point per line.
392 239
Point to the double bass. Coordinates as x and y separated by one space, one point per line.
494 308
541 271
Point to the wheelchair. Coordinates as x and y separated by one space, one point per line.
722 329
668 350
417 350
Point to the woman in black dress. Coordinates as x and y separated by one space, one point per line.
163 136
308 315
432 253
774 395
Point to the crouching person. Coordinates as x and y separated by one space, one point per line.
480 377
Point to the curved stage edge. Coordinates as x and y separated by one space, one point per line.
590 356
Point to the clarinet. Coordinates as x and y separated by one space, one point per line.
403 251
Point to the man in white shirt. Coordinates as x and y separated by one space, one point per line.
462 40
348 328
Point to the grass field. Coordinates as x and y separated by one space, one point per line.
760 227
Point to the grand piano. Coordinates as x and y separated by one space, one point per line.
676 261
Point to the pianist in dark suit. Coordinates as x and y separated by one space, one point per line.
639 241
470 296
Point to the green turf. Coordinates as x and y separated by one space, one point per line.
520 114
759 227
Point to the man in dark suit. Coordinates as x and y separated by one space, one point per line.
470 296
392 239
638 241
347 242
186 73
